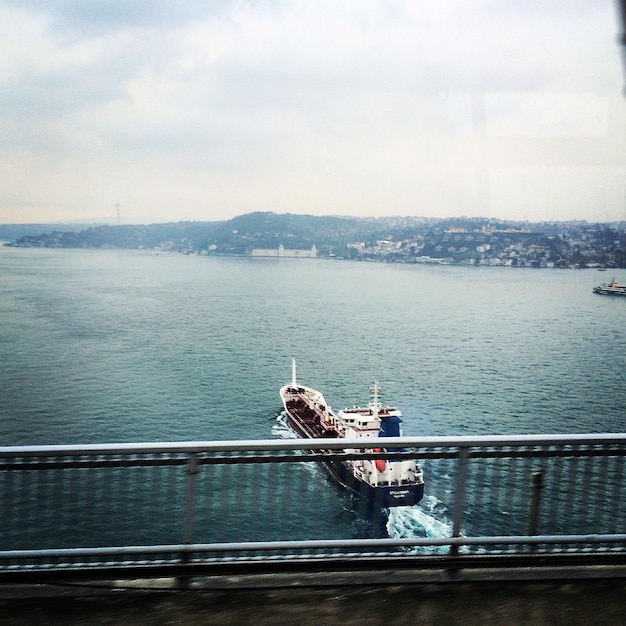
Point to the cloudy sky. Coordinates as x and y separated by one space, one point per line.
208 109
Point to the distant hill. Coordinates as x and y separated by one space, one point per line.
179 236
12 232
328 233
474 241
236 236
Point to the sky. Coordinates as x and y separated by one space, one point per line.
143 111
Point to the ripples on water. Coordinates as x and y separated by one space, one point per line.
100 346
106 346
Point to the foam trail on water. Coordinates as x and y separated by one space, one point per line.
422 520
281 429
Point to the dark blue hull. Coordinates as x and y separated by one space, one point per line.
384 496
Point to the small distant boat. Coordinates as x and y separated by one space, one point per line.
610 289
383 483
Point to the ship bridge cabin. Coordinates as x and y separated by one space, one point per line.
359 425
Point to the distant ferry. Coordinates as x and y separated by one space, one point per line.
382 482
610 289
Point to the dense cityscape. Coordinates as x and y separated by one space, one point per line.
568 246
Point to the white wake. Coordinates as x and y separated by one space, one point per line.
281 429
426 519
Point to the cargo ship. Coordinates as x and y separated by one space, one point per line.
383 482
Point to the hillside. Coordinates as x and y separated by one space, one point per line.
236 236
474 241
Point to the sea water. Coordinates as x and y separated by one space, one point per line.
102 346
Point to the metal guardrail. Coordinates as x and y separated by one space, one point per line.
190 506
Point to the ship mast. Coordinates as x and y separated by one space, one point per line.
374 403
293 372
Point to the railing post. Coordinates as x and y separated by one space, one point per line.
459 497
536 485
192 470
189 507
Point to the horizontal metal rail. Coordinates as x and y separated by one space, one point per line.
353 545
79 508
483 441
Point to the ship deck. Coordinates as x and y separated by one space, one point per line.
309 419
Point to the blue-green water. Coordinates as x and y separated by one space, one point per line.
114 346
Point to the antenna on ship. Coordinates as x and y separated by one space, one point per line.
293 372
374 392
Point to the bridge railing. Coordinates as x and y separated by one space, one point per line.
160 505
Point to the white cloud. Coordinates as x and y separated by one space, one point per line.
546 114
202 111
560 193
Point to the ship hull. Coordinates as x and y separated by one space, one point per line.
302 420
383 496
610 289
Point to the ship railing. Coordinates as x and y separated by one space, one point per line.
197 506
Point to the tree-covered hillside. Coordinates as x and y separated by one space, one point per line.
236 236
